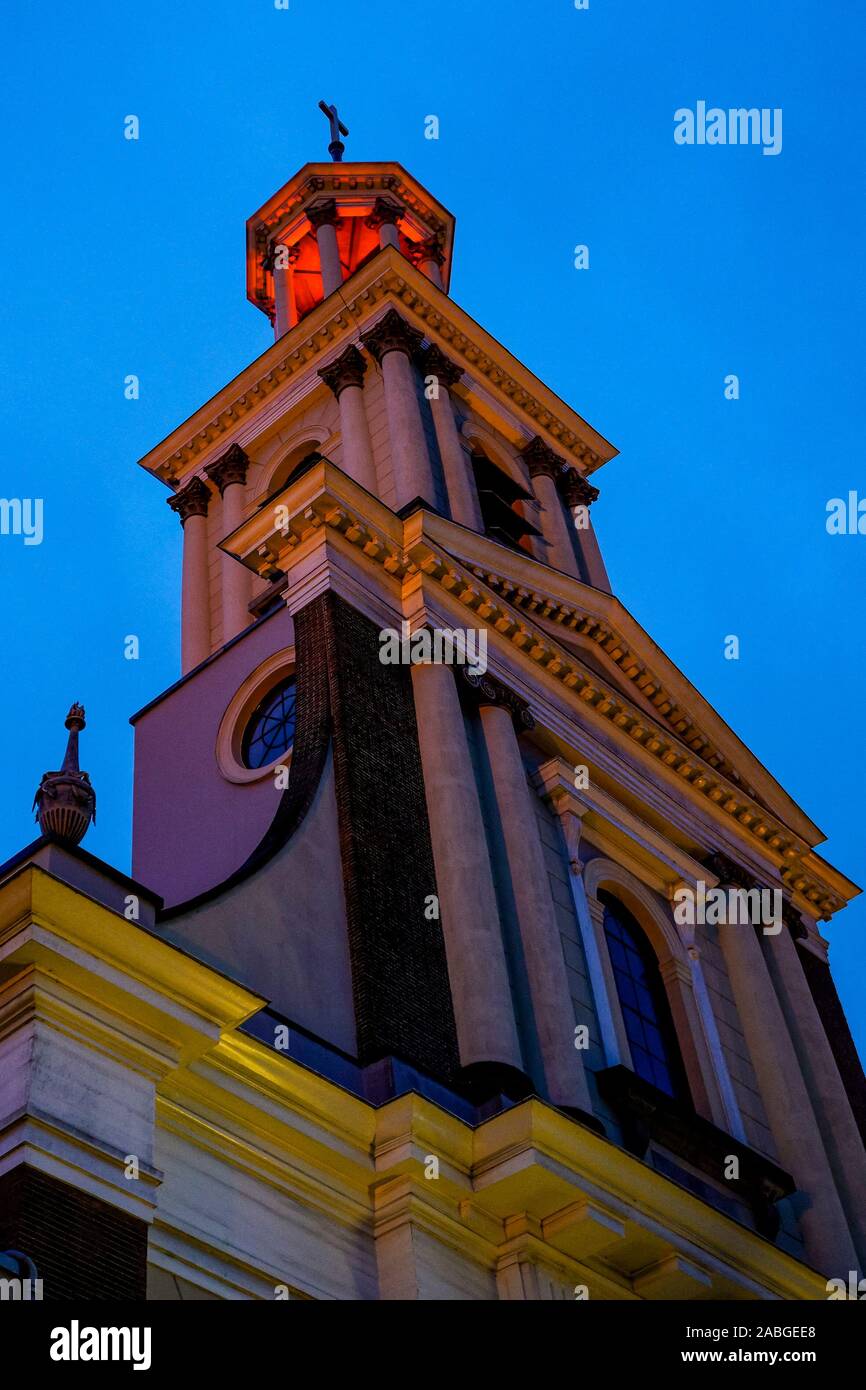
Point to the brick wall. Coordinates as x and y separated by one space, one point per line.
400 975
82 1247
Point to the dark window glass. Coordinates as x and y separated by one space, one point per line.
646 1014
271 727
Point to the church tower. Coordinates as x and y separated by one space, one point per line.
485 960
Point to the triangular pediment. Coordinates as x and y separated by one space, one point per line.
569 646
602 634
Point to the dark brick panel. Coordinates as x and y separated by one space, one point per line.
82 1248
402 993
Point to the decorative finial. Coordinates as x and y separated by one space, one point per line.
336 147
65 801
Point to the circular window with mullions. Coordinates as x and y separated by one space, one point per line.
270 729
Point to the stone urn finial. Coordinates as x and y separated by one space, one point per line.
65 801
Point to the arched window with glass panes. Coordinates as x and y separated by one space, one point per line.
643 1001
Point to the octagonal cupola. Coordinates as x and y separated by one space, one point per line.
330 219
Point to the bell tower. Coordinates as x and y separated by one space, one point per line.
371 472
436 854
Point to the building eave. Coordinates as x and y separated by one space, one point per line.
387 278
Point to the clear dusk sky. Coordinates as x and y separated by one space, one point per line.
556 129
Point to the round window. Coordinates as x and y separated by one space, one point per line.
270 729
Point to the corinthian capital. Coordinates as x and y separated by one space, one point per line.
433 362
541 459
191 500
384 211
429 250
392 334
230 467
576 491
490 691
323 214
347 370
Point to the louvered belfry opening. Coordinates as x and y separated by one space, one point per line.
497 496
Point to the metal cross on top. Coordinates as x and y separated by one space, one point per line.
336 147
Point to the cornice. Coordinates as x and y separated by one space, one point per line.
386 278
325 499
45 921
363 180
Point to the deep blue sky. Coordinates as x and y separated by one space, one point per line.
556 128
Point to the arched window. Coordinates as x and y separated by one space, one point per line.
652 1039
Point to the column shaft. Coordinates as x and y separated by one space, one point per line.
358 459
440 372
539 931
329 257
833 1110
593 564
477 967
559 549
413 475
191 503
462 498
792 1119
597 982
431 269
195 614
733 1120
235 576
283 317
345 377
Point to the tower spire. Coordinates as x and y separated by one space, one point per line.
336 148
65 801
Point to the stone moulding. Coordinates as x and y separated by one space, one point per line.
473 586
389 276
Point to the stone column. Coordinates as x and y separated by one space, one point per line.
280 261
544 466
345 377
230 475
733 1120
324 221
383 219
191 505
429 257
477 968
620 1050
792 1120
552 1006
570 813
578 493
841 1136
462 497
393 342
